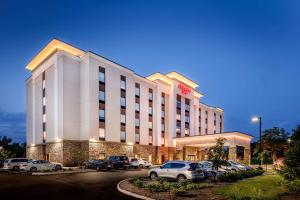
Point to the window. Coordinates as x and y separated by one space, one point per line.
187 107
44 118
187 131
178 129
178 117
137 89
137 122
123 85
167 166
163 114
177 165
150 94
102 77
44 101
101 133
137 138
137 107
150 125
44 136
123 136
206 131
187 119
150 139
123 119
123 102
101 96
150 110
163 127
101 114
163 99
44 84
178 104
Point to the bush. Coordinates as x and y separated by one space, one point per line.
179 190
157 187
197 186
294 186
233 177
136 181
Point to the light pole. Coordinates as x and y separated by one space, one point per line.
255 120
289 142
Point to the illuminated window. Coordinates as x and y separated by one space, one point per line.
187 131
123 119
178 117
44 101
101 114
44 117
101 133
101 96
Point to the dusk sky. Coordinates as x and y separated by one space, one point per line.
244 55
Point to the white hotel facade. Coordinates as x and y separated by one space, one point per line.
81 106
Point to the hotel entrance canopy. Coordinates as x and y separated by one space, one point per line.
233 139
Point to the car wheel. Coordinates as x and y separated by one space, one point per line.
141 166
57 167
16 168
214 174
153 176
98 168
181 178
33 169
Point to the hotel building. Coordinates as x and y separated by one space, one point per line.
82 106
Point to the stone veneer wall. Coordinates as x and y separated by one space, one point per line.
148 152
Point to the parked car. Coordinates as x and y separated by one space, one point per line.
144 163
207 167
178 170
119 162
233 166
40 165
134 163
98 164
14 163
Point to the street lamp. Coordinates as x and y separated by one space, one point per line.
289 141
256 120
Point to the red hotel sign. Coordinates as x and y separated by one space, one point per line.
184 89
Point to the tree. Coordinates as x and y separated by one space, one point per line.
275 141
9 149
217 153
265 157
292 156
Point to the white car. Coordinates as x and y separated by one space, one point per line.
40 165
233 166
144 163
178 170
207 166
134 163
14 163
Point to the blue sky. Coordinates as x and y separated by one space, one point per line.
244 54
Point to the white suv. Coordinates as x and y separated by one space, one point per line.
178 170
14 163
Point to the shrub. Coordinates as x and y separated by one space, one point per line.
294 186
136 181
159 187
179 190
197 186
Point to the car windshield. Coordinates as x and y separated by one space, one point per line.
134 159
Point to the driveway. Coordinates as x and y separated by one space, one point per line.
91 185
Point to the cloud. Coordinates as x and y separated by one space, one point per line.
13 125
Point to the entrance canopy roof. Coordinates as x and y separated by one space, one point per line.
232 139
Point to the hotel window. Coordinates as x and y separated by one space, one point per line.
150 139
178 101
123 102
137 107
137 89
44 118
187 131
123 136
221 123
101 96
123 82
187 104
44 101
150 110
163 99
123 119
187 119
215 119
101 103
162 127
178 117
137 122
101 115
101 133
163 114
178 130
150 125
150 94
137 138
101 75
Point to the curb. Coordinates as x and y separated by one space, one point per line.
131 193
57 173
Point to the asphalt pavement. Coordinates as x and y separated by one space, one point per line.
87 186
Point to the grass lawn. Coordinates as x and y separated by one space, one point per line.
261 187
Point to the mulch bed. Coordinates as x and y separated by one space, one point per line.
202 194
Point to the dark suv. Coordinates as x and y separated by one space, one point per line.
97 164
119 162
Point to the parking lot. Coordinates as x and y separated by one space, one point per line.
91 185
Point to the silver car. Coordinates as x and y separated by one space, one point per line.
178 170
